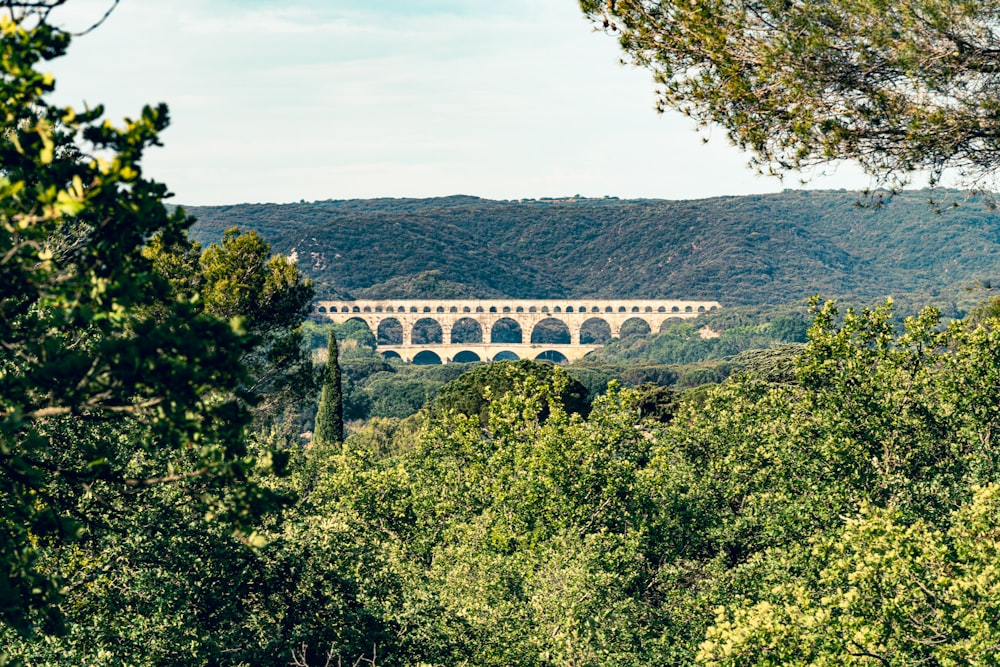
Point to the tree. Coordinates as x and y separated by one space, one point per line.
330 413
112 384
474 392
241 278
885 592
896 85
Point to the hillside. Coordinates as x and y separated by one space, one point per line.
770 248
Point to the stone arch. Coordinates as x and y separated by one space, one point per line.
427 309
635 309
440 309
356 309
520 309
595 309
554 356
661 309
493 309
675 309
426 357
649 309
569 309
688 309
701 309
466 330
506 309
532 309
506 355
479 309
390 354
466 309
609 309
595 331
506 330
389 310
634 326
413 309
390 332
322 309
345 309
621 309
426 331
368 309
466 357
453 309
378 309
669 322
550 331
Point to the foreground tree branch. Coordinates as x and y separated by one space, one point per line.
898 87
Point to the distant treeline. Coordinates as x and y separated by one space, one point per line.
775 248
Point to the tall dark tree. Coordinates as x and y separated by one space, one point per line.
330 415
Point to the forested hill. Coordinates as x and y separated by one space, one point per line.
752 249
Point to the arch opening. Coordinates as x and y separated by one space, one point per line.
506 355
550 331
389 354
466 330
634 326
595 331
426 332
390 332
466 357
506 330
553 356
669 322
426 357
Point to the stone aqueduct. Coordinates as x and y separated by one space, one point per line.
388 316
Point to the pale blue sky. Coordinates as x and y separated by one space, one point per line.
307 99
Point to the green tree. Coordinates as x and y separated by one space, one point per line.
897 86
474 392
880 591
240 279
329 426
112 385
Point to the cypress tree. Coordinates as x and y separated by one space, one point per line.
329 426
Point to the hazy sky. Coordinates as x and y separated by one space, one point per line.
277 101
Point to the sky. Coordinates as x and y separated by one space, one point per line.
290 100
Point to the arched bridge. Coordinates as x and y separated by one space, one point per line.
485 330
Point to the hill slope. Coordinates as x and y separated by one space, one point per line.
754 249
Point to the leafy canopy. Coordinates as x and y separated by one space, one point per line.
897 86
111 382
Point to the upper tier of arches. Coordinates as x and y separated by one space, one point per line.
441 322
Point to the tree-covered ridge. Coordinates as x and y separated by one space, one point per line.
775 248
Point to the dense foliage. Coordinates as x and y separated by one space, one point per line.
777 248
830 500
717 535
117 390
844 514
